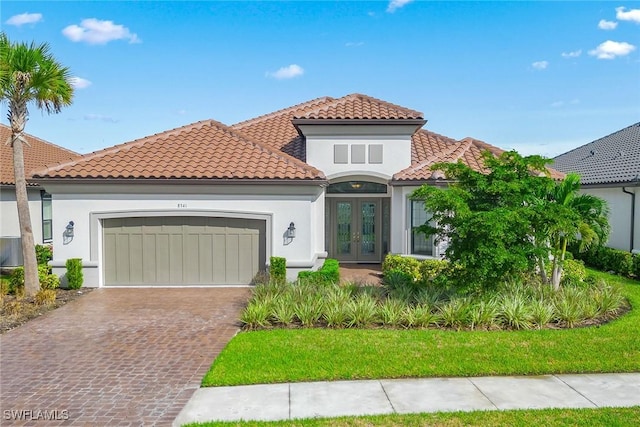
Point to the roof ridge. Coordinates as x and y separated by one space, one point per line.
337 101
116 148
280 112
43 141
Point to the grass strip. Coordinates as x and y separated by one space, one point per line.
294 355
540 417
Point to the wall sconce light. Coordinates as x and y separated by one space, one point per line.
291 231
67 235
355 185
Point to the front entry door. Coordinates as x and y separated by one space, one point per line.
356 230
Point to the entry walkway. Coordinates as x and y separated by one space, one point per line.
373 397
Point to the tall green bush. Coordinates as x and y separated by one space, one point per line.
278 269
75 277
44 254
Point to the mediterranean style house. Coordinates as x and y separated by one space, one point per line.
209 204
609 168
37 154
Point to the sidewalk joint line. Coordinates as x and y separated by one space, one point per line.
482 393
387 396
289 400
572 388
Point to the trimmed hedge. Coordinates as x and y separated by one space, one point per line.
46 279
607 259
328 273
278 269
75 277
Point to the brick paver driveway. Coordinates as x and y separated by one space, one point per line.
116 356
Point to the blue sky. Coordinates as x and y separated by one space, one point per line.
538 77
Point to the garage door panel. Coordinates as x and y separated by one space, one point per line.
182 250
136 259
205 257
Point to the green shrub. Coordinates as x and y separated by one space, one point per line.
431 269
256 315
75 277
278 269
608 259
408 265
573 272
16 282
328 273
636 266
44 254
619 261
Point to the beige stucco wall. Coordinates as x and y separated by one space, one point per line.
9 226
278 205
620 215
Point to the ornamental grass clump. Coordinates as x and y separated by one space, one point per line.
362 311
515 312
392 312
455 313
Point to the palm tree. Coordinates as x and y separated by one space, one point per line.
579 217
29 73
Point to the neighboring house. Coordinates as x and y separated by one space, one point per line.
37 154
209 204
610 168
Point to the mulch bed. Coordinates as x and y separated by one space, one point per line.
16 311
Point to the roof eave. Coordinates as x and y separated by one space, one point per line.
418 123
419 182
182 181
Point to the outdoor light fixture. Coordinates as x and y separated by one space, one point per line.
355 185
67 235
291 231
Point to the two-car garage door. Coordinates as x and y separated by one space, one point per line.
182 250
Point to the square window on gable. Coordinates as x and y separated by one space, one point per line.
340 154
358 153
375 153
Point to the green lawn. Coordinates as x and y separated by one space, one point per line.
608 417
281 355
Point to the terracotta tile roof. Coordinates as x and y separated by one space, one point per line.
360 107
37 155
276 129
429 148
202 150
612 159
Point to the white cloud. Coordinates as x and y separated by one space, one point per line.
288 72
540 65
631 15
397 4
354 44
607 25
24 18
79 82
573 54
95 31
100 117
611 49
557 104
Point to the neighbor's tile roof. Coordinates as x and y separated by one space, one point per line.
202 150
612 159
360 107
429 148
37 155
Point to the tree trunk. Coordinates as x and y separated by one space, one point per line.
31 281
556 275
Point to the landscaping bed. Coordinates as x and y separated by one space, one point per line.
16 311
317 354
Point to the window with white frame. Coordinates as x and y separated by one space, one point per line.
420 243
47 230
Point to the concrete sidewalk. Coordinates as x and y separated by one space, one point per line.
338 398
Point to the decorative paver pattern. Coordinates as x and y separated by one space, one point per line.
116 357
